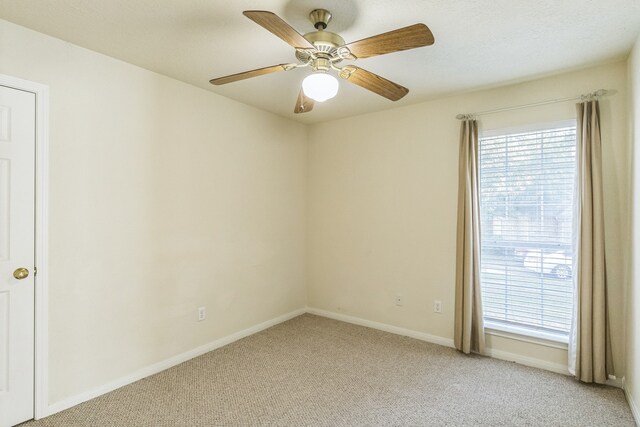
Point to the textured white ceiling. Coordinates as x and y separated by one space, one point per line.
478 42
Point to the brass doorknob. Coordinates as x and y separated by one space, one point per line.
21 273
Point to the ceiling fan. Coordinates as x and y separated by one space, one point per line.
322 51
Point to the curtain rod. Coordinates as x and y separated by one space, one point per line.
598 93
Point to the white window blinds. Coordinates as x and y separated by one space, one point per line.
526 209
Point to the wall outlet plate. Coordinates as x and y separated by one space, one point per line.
400 300
437 306
202 313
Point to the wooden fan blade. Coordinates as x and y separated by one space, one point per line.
277 26
373 82
410 37
304 104
247 74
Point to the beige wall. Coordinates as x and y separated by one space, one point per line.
632 384
383 194
164 198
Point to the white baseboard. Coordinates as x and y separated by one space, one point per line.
615 381
633 406
447 342
543 364
527 361
168 363
180 358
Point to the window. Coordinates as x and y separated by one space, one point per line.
526 210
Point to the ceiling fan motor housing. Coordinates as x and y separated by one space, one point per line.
324 42
320 18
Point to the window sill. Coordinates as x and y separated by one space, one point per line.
526 335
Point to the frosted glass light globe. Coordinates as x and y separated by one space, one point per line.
320 86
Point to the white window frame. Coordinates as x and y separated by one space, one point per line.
549 339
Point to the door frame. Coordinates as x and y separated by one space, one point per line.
41 255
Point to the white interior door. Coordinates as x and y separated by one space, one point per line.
17 192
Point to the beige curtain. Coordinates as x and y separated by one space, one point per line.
589 346
469 328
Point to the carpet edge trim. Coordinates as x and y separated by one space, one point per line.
434 339
632 404
527 361
167 363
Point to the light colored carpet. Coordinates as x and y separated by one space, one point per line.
312 371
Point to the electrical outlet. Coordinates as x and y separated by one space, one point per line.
437 306
399 300
202 313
